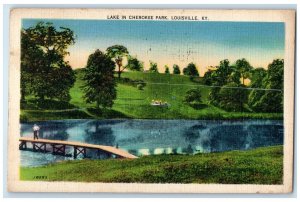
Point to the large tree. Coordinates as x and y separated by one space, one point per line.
233 97
44 72
257 77
218 78
99 82
244 68
191 70
270 97
117 53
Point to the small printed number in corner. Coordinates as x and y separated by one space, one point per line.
40 177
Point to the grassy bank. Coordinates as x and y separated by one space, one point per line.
258 166
134 103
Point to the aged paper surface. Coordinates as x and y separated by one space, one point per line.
15 184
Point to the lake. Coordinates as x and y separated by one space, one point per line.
148 137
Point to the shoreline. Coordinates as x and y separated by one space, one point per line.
231 116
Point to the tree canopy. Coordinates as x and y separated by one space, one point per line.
99 82
244 68
153 67
116 53
232 97
176 69
167 70
134 64
269 98
228 93
193 97
44 72
191 70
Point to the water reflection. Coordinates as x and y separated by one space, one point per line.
193 133
148 137
99 133
259 135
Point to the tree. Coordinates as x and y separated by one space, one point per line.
167 70
270 97
176 69
191 70
99 82
193 97
218 78
244 68
134 64
235 76
207 78
232 97
116 53
222 74
44 72
257 77
153 67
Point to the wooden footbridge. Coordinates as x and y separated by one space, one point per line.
59 147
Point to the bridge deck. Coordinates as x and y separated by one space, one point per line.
110 149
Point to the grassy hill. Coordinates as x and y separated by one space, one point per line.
134 103
234 167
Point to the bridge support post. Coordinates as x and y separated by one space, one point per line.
33 147
23 145
56 149
75 152
39 147
78 151
84 152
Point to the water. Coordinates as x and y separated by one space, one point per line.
148 137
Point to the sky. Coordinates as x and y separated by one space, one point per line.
176 42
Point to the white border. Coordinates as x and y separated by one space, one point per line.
233 4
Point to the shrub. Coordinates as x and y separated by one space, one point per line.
140 87
193 97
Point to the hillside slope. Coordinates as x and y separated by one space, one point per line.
134 103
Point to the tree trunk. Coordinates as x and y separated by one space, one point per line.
119 72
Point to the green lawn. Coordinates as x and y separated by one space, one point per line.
134 103
258 166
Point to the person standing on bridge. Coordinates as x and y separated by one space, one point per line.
36 130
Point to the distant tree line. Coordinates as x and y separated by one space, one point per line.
229 91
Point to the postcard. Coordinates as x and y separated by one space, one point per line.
151 101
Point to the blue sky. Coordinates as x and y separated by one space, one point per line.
176 42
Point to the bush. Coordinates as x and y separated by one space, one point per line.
232 97
140 87
193 97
